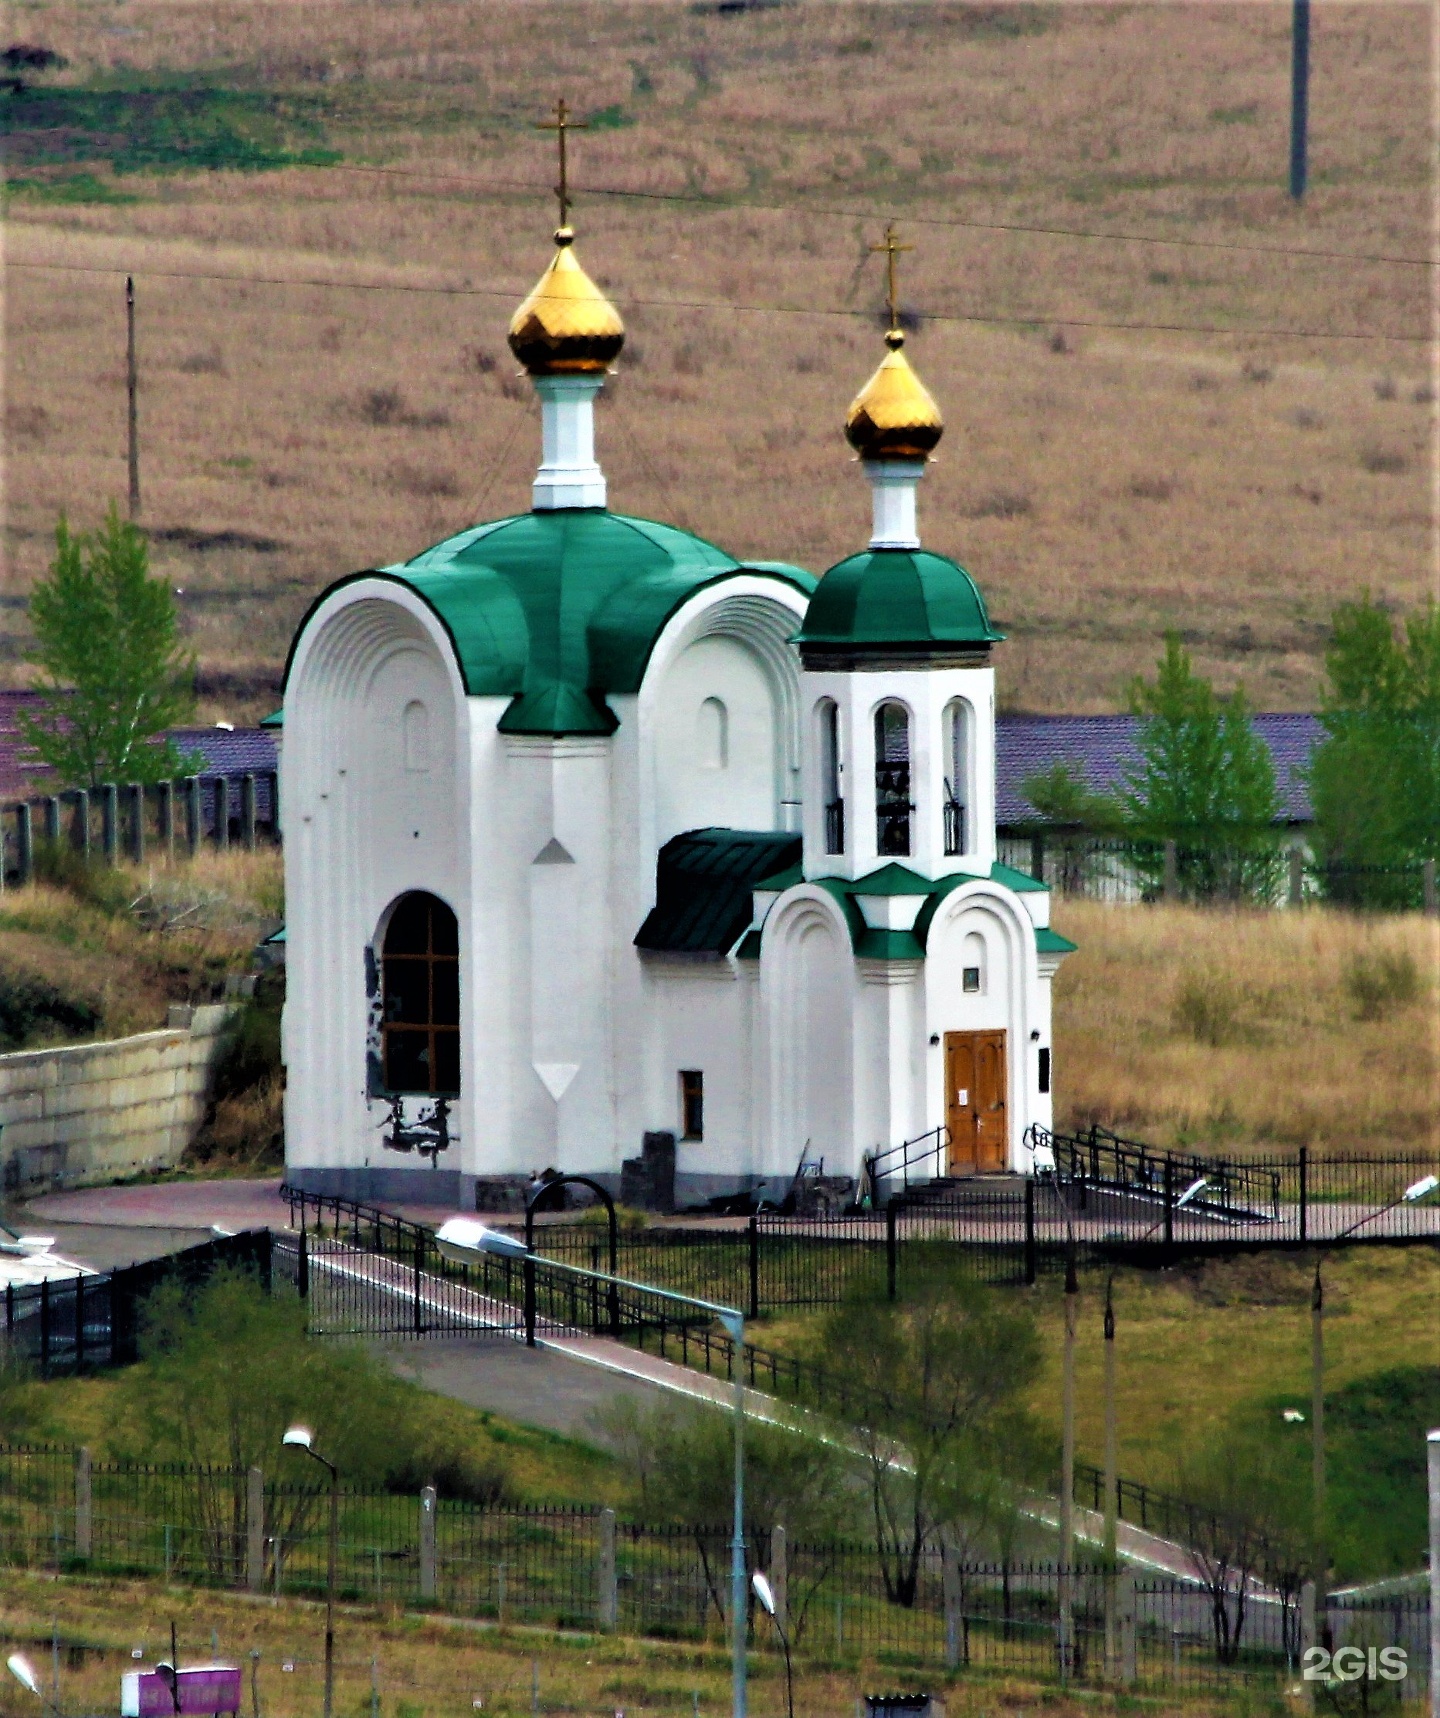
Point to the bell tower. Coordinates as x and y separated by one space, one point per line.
897 687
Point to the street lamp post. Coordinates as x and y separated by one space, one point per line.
462 1240
766 1595
302 1438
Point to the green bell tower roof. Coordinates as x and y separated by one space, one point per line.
908 601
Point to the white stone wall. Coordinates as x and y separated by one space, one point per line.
86 1113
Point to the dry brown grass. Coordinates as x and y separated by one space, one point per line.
431 1668
1102 484
124 966
1237 1030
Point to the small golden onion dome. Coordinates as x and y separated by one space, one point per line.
893 415
567 326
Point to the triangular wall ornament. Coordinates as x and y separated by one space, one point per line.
552 853
556 1076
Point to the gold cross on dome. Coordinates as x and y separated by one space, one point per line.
892 248
562 123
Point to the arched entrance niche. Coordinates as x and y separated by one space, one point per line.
420 997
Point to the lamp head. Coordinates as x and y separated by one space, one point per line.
299 1437
1418 1189
462 1240
764 1592
23 1671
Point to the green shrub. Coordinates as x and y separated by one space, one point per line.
31 1009
1379 983
89 880
1209 1009
250 1052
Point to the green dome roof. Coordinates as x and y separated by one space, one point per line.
556 609
906 598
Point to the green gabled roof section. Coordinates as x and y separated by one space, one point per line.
703 888
891 879
782 880
1020 881
557 610
897 597
1051 942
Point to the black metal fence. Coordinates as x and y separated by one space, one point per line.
68 1324
581 1568
1272 870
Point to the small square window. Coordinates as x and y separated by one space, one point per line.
692 1104
970 978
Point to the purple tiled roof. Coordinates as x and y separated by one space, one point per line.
230 752
1102 747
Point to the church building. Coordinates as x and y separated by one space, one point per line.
594 831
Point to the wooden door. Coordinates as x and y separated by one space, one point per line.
975 1107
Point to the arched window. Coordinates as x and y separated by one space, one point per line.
713 734
892 781
420 982
957 752
831 799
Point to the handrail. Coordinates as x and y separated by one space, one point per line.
1235 1192
938 1140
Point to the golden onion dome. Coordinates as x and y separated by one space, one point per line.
567 326
893 415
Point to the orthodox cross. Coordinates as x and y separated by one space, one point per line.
891 247
562 123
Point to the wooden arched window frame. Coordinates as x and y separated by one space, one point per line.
420 988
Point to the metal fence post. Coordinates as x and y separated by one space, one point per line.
427 1542
84 1517
82 822
527 1274
1429 899
780 1576
302 1282
192 814
165 828
137 822
1169 1203
110 822
50 807
24 844
608 1606
754 1240
1030 1229
1125 1597
419 1266
1297 877
950 1588
891 1251
222 813
44 1327
255 1529
1309 1637
1172 872
1304 1161
247 810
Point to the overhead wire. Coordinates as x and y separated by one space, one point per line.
1050 319
713 200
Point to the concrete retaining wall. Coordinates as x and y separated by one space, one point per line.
88 1113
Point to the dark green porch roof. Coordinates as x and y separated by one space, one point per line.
703 884
555 610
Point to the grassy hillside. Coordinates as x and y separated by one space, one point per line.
1241 1031
1127 448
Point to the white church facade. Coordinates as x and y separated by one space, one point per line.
594 831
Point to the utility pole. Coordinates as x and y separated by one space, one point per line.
1067 1473
132 381
1320 1558
1299 98
1111 1483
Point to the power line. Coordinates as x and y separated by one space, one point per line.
710 200
1049 320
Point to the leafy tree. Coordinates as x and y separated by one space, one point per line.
1063 796
1205 780
1375 781
946 1371
107 641
1252 1520
680 1462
